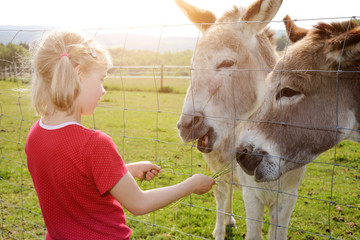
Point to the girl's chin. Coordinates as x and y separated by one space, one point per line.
87 113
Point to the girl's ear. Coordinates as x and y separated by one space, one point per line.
79 72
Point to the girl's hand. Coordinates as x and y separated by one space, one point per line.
202 183
143 170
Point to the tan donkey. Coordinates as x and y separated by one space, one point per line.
229 67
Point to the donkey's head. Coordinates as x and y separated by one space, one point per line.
311 104
229 66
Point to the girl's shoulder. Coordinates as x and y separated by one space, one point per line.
70 132
90 135
99 137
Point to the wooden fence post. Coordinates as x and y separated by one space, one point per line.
162 76
10 72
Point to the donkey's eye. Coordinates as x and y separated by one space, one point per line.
225 64
286 92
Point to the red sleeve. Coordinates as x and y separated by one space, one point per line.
104 162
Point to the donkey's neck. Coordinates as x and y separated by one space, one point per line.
354 102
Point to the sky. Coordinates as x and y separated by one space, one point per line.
84 14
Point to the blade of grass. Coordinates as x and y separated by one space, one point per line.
223 170
226 168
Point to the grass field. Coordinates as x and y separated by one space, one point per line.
143 125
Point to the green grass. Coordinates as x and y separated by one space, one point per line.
169 85
143 125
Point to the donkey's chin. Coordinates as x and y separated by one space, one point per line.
267 171
205 143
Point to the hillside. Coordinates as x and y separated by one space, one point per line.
27 34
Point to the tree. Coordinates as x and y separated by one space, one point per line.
281 43
12 53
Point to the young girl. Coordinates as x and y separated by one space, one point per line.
79 176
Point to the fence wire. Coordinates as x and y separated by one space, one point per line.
141 118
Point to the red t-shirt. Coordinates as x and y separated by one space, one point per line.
73 168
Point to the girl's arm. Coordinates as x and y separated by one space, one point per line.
140 202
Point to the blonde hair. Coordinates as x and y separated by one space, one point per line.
55 80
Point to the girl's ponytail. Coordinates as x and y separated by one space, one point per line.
65 84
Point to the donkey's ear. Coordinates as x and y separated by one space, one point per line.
294 32
203 19
262 12
350 42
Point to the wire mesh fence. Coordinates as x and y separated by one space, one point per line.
140 112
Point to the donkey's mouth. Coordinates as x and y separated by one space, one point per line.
205 143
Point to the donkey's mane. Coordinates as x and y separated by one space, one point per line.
235 15
327 30
232 15
335 36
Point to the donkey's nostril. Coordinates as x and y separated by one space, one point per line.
247 159
189 121
178 125
242 153
196 120
239 155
